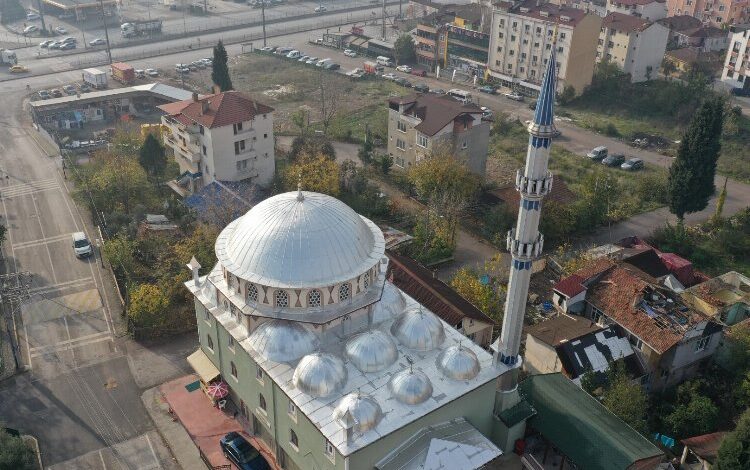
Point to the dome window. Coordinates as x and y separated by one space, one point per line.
366 281
282 298
345 291
313 298
252 293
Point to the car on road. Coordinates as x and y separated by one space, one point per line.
598 153
54 45
152 72
81 245
44 95
30 29
61 30
514 95
350 53
487 113
303 58
67 46
615 159
31 16
56 93
404 68
140 73
70 39
97 42
437 91
490 90
84 88
331 66
311 61
403 82
267 49
632 164
390 76
320 9
18 69
322 62
421 88
208 61
241 453
70 89
419 72
46 43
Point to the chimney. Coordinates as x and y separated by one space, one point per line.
195 97
204 106
217 90
194 266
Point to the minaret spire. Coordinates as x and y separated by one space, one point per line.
524 242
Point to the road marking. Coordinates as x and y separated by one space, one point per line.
42 241
67 342
27 189
61 285
150 446
104 465
71 344
41 229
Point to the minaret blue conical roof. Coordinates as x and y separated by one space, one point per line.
545 105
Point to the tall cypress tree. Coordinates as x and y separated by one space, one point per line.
220 72
152 157
691 177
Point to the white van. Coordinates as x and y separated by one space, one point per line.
294 54
460 95
322 62
385 61
81 245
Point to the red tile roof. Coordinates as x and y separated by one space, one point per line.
595 268
625 23
435 111
570 286
705 446
420 283
217 110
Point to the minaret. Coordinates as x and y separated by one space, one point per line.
524 241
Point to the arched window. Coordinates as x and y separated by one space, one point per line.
282 298
234 369
366 281
313 298
293 440
262 401
252 293
345 291
209 342
235 313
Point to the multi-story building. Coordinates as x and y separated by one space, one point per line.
594 7
650 10
712 12
736 63
419 124
223 136
636 45
521 42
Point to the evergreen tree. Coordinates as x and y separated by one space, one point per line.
152 157
404 49
734 452
220 72
691 177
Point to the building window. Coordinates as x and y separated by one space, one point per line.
262 402
526 28
329 449
344 291
293 439
547 47
206 315
226 305
204 150
536 44
401 126
291 409
500 35
635 341
282 298
313 298
512 38
538 30
400 144
230 343
366 281
239 146
422 140
237 127
525 42
702 344
562 35
264 116
252 293
258 373
201 129
511 52
464 145
460 325
210 343
559 49
265 136
233 368
523 56
242 164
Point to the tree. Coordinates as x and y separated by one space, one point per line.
625 399
668 67
693 414
485 297
120 252
301 119
14 453
316 173
220 72
567 95
720 203
440 174
691 176
120 182
734 451
386 162
152 157
148 306
330 99
404 49
311 145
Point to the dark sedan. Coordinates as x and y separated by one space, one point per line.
241 453
615 159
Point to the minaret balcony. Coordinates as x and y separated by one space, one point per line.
524 251
533 188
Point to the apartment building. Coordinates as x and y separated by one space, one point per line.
636 45
736 63
521 42
712 12
650 10
594 7
223 136
422 123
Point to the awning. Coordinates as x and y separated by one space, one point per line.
203 366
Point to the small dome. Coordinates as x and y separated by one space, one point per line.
364 409
418 329
458 363
411 387
372 351
283 341
390 306
319 374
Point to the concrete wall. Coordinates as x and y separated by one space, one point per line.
580 67
540 358
259 151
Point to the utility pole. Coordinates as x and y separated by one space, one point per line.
383 28
41 15
14 289
263 19
106 31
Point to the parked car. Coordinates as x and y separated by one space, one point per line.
70 89
598 153
18 69
403 82
31 16
208 61
490 90
350 53
56 93
241 453
46 43
29 29
61 30
419 72
320 9
81 245
54 45
67 46
152 72
437 91
283 50
69 39
421 88
322 62
198 64
44 95
303 58
192 68
404 68
615 159
487 113
97 42
84 88
632 165
390 76
139 73
514 95
312 61
267 49
331 66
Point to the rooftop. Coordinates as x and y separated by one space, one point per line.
562 329
435 111
685 54
158 90
724 290
595 352
636 2
625 23
705 446
216 110
560 194
706 32
548 12
680 22
581 427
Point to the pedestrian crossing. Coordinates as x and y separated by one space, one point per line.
24 189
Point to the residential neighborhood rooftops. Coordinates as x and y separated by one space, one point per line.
625 23
681 22
582 428
562 329
706 32
635 2
548 12
216 110
724 290
434 111
705 446
570 286
595 352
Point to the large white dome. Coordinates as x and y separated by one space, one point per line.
300 240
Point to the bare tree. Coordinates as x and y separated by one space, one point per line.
330 99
